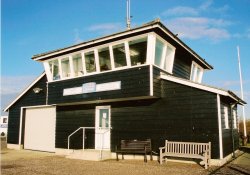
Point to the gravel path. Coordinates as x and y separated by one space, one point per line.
36 163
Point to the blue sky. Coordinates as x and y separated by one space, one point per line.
212 28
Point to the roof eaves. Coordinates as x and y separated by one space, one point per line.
204 87
21 94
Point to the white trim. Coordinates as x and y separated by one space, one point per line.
97 65
71 67
188 49
226 117
219 126
20 126
195 66
91 42
83 63
151 48
47 71
28 88
94 41
151 80
197 85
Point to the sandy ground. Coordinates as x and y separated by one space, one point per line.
26 162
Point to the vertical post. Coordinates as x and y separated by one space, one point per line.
83 138
242 96
128 14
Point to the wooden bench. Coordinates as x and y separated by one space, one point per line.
187 150
134 147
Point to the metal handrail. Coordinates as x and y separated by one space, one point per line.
77 131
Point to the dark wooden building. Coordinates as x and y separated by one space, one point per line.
137 84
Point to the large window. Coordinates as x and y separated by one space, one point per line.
135 51
119 55
196 73
54 69
90 62
138 51
65 68
104 59
77 65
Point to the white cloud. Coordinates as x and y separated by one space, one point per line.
189 22
181 10
198 27
105 28
15 84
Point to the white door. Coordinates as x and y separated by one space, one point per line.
40 129
102 127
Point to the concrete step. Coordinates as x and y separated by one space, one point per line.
90 154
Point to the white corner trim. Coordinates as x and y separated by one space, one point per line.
195 85
151 80
219 126
28 88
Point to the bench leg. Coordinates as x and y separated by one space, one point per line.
151 156
161 156
122 157
117 157
145 157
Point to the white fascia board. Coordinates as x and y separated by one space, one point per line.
91 42
28 88
195 85
200 86
188 49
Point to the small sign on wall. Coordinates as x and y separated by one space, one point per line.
92 87
88 87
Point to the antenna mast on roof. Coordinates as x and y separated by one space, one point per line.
128 15
242 96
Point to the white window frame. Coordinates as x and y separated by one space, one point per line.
195 66
226 117
150 56
164 53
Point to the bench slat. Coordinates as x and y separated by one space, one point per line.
187 150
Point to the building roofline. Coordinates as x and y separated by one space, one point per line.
25 90
212 89
153 24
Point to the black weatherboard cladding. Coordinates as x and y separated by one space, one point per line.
134 83
29 99
228 134
181 114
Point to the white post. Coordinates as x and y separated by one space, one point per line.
83 138
242 96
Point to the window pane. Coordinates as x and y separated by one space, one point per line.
138 51
193 73
90 61
54 69
104 118
77 65
65 67
198 74
119 55
158 52
104 59
168 62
